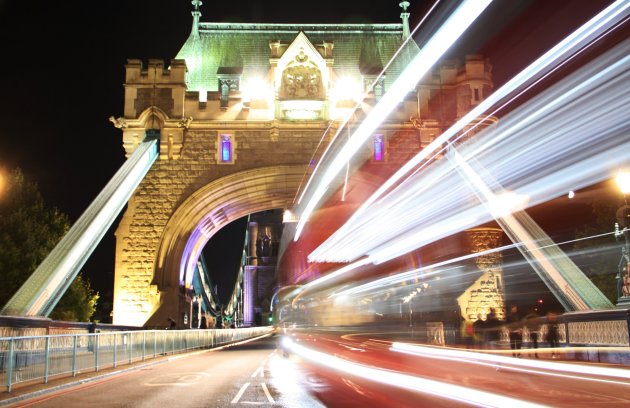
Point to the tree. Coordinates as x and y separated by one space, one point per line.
78 303
28 232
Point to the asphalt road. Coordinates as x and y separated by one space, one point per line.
231 377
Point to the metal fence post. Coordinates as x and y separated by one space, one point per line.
130 343
46 359
97 344
74 356
10 366
115 347
144 344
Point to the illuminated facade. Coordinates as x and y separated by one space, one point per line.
240 112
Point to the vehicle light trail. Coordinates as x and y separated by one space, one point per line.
406 381
447 34
534 366
586 34
437 203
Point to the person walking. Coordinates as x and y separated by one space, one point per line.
478 331
532 322
515 327
492 329
553 337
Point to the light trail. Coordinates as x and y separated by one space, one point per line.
347 119
433 50
413 274
564 154
588 33
532 366
406 381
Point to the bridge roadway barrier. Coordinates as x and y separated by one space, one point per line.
31 359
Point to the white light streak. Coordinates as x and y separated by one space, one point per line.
448 33
570 45
406 381
563 154
468 356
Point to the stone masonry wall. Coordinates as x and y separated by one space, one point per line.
170 182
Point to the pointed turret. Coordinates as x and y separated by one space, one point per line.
405 19
196 16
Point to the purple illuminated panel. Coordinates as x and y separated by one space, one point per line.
226 149
379 148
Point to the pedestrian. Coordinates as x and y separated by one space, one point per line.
515 327
553 337
204 323
532 322
492 329
478 328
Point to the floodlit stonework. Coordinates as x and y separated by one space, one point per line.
487 292
202 98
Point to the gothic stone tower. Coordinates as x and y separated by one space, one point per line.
240 112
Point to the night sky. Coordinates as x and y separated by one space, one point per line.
62 75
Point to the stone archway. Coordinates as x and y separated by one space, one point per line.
204 213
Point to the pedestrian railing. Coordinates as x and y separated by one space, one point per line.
40 358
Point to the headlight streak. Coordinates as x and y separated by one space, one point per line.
518 231
406 381
330 276
586 34
510 363
441 41
347 119
428 270
585 160
405 276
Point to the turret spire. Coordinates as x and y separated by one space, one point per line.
405 18
196 15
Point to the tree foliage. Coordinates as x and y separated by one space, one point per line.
28 232
78 303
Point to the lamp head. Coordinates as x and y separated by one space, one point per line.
623 181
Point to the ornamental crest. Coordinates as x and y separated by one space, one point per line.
301 79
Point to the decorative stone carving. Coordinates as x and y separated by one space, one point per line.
301 79
185 122
120 123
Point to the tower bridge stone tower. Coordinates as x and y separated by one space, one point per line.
241 112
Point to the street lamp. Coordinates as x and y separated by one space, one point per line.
2 181
623 220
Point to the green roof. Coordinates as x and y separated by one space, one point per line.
232 47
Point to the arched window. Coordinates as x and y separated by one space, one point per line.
378 148
225 151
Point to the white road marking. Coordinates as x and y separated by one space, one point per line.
240 393
260 371
264 386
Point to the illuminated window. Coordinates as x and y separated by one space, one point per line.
379 148
225 151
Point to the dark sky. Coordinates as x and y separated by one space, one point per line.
62 74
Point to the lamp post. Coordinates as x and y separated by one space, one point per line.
623 220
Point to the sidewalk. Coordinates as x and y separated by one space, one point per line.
37 388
